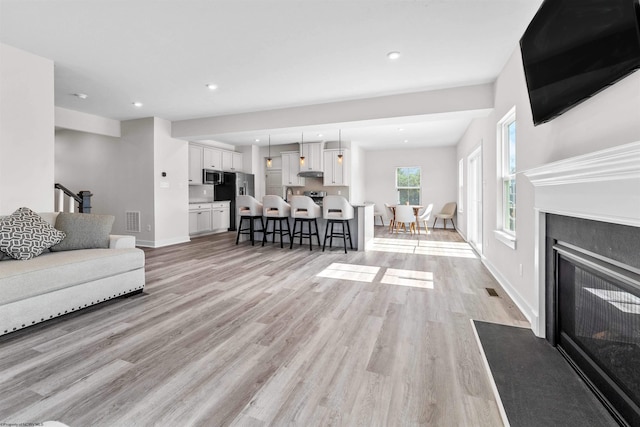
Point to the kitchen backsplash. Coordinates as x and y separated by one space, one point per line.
317 184
200 193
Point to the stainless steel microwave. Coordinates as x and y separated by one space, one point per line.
210 176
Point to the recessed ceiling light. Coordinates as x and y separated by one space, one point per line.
319 135
81 95
257 139
400 129
137 104
212 86
393 55
405 141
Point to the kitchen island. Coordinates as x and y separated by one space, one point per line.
361 231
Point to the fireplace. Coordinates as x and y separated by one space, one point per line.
593 306
587 258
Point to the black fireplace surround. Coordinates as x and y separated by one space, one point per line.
593 307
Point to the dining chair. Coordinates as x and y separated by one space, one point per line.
448 212
404 216
392 216
426 216
377 213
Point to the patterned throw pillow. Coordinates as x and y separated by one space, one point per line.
24 234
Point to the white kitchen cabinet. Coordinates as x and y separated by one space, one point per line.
200 218
232 161
336 173
313 156
227 160
220 218
290 169
195 165
211 158
238 162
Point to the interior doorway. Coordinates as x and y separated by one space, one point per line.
474 199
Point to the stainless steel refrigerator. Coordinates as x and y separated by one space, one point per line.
234 184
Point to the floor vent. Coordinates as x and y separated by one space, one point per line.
492 292
133 222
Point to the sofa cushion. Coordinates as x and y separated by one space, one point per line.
24 234
56 270
83 231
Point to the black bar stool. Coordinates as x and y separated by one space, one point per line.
337 210
305 211
250 210
276 211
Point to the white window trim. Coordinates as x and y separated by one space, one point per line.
461 203
395 178
502 235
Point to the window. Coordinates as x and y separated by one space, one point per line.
408 185
506 133
461 185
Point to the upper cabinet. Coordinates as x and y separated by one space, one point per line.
232 161
312 152
291 168
227 160
238 163
212 158
336 172
195 165
201 157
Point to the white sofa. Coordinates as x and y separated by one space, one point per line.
56 283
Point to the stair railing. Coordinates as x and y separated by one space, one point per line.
65 200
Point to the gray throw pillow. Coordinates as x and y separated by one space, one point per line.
24 234
84 231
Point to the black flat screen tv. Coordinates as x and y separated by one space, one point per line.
573 49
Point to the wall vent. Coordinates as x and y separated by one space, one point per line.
133 221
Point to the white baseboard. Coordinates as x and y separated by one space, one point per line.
529 312
162 243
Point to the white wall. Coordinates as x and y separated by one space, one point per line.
171 200
358 178
26 131
438 168
125 174
608 119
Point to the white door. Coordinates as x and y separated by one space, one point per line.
474 199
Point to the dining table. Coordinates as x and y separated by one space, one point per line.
416 212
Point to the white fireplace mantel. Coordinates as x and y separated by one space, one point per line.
602 186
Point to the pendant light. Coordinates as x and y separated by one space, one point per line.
269 160
339 146
302 150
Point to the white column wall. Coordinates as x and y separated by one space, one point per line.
26 131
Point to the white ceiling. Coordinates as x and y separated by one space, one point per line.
268 54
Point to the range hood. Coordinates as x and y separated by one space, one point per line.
311 174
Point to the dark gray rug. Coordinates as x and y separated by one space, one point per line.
536 384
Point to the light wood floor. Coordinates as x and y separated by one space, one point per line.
241 335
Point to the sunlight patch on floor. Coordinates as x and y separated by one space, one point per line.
358 273
422 247
412 278
367 273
